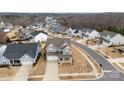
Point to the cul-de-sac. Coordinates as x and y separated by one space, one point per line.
61 47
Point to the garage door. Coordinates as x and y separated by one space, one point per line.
27 62
52 58
105 43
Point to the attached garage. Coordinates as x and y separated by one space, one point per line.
26 60
105 43
52 58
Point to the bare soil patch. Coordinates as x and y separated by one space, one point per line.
80 64
112 52
8 73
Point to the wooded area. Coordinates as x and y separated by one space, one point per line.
100 21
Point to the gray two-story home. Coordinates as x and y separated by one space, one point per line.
59 50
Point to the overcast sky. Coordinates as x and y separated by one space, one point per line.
61 6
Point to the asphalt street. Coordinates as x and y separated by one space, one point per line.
110 73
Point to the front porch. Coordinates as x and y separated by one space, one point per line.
15 62
65 60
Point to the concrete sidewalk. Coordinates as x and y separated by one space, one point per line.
22 74
116 60
51 71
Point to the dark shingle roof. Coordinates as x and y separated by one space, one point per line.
58 41
16 51
30 38
35 33
76 31
105 33
86 29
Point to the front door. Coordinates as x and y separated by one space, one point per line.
17 62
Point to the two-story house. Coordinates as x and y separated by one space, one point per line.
59 50
37 36
89 34
111 38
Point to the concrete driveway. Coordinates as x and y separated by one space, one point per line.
22 74
51 71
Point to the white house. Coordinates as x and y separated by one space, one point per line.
59 50
3 60
19 54
48 21
111 38
2 24
6 30
75 32
38 26
37 36
90 34
70 31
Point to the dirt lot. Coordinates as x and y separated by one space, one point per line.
35 79
122 64
112 52
80 64
77 77
39 68
8 73
76 38
91 42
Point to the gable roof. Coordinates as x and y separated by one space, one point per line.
86 29
16 51
105 33
58 41
35 33
76 31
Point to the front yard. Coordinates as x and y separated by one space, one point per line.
112 52
8 73
91 42
80 64
78 77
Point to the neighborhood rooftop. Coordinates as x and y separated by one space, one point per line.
16 51
35 33
105 33
86 29
58 41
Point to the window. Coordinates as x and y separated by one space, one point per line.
11 61
61 59
66 58
17 61
66 52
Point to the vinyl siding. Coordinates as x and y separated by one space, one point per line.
4 60
26 59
